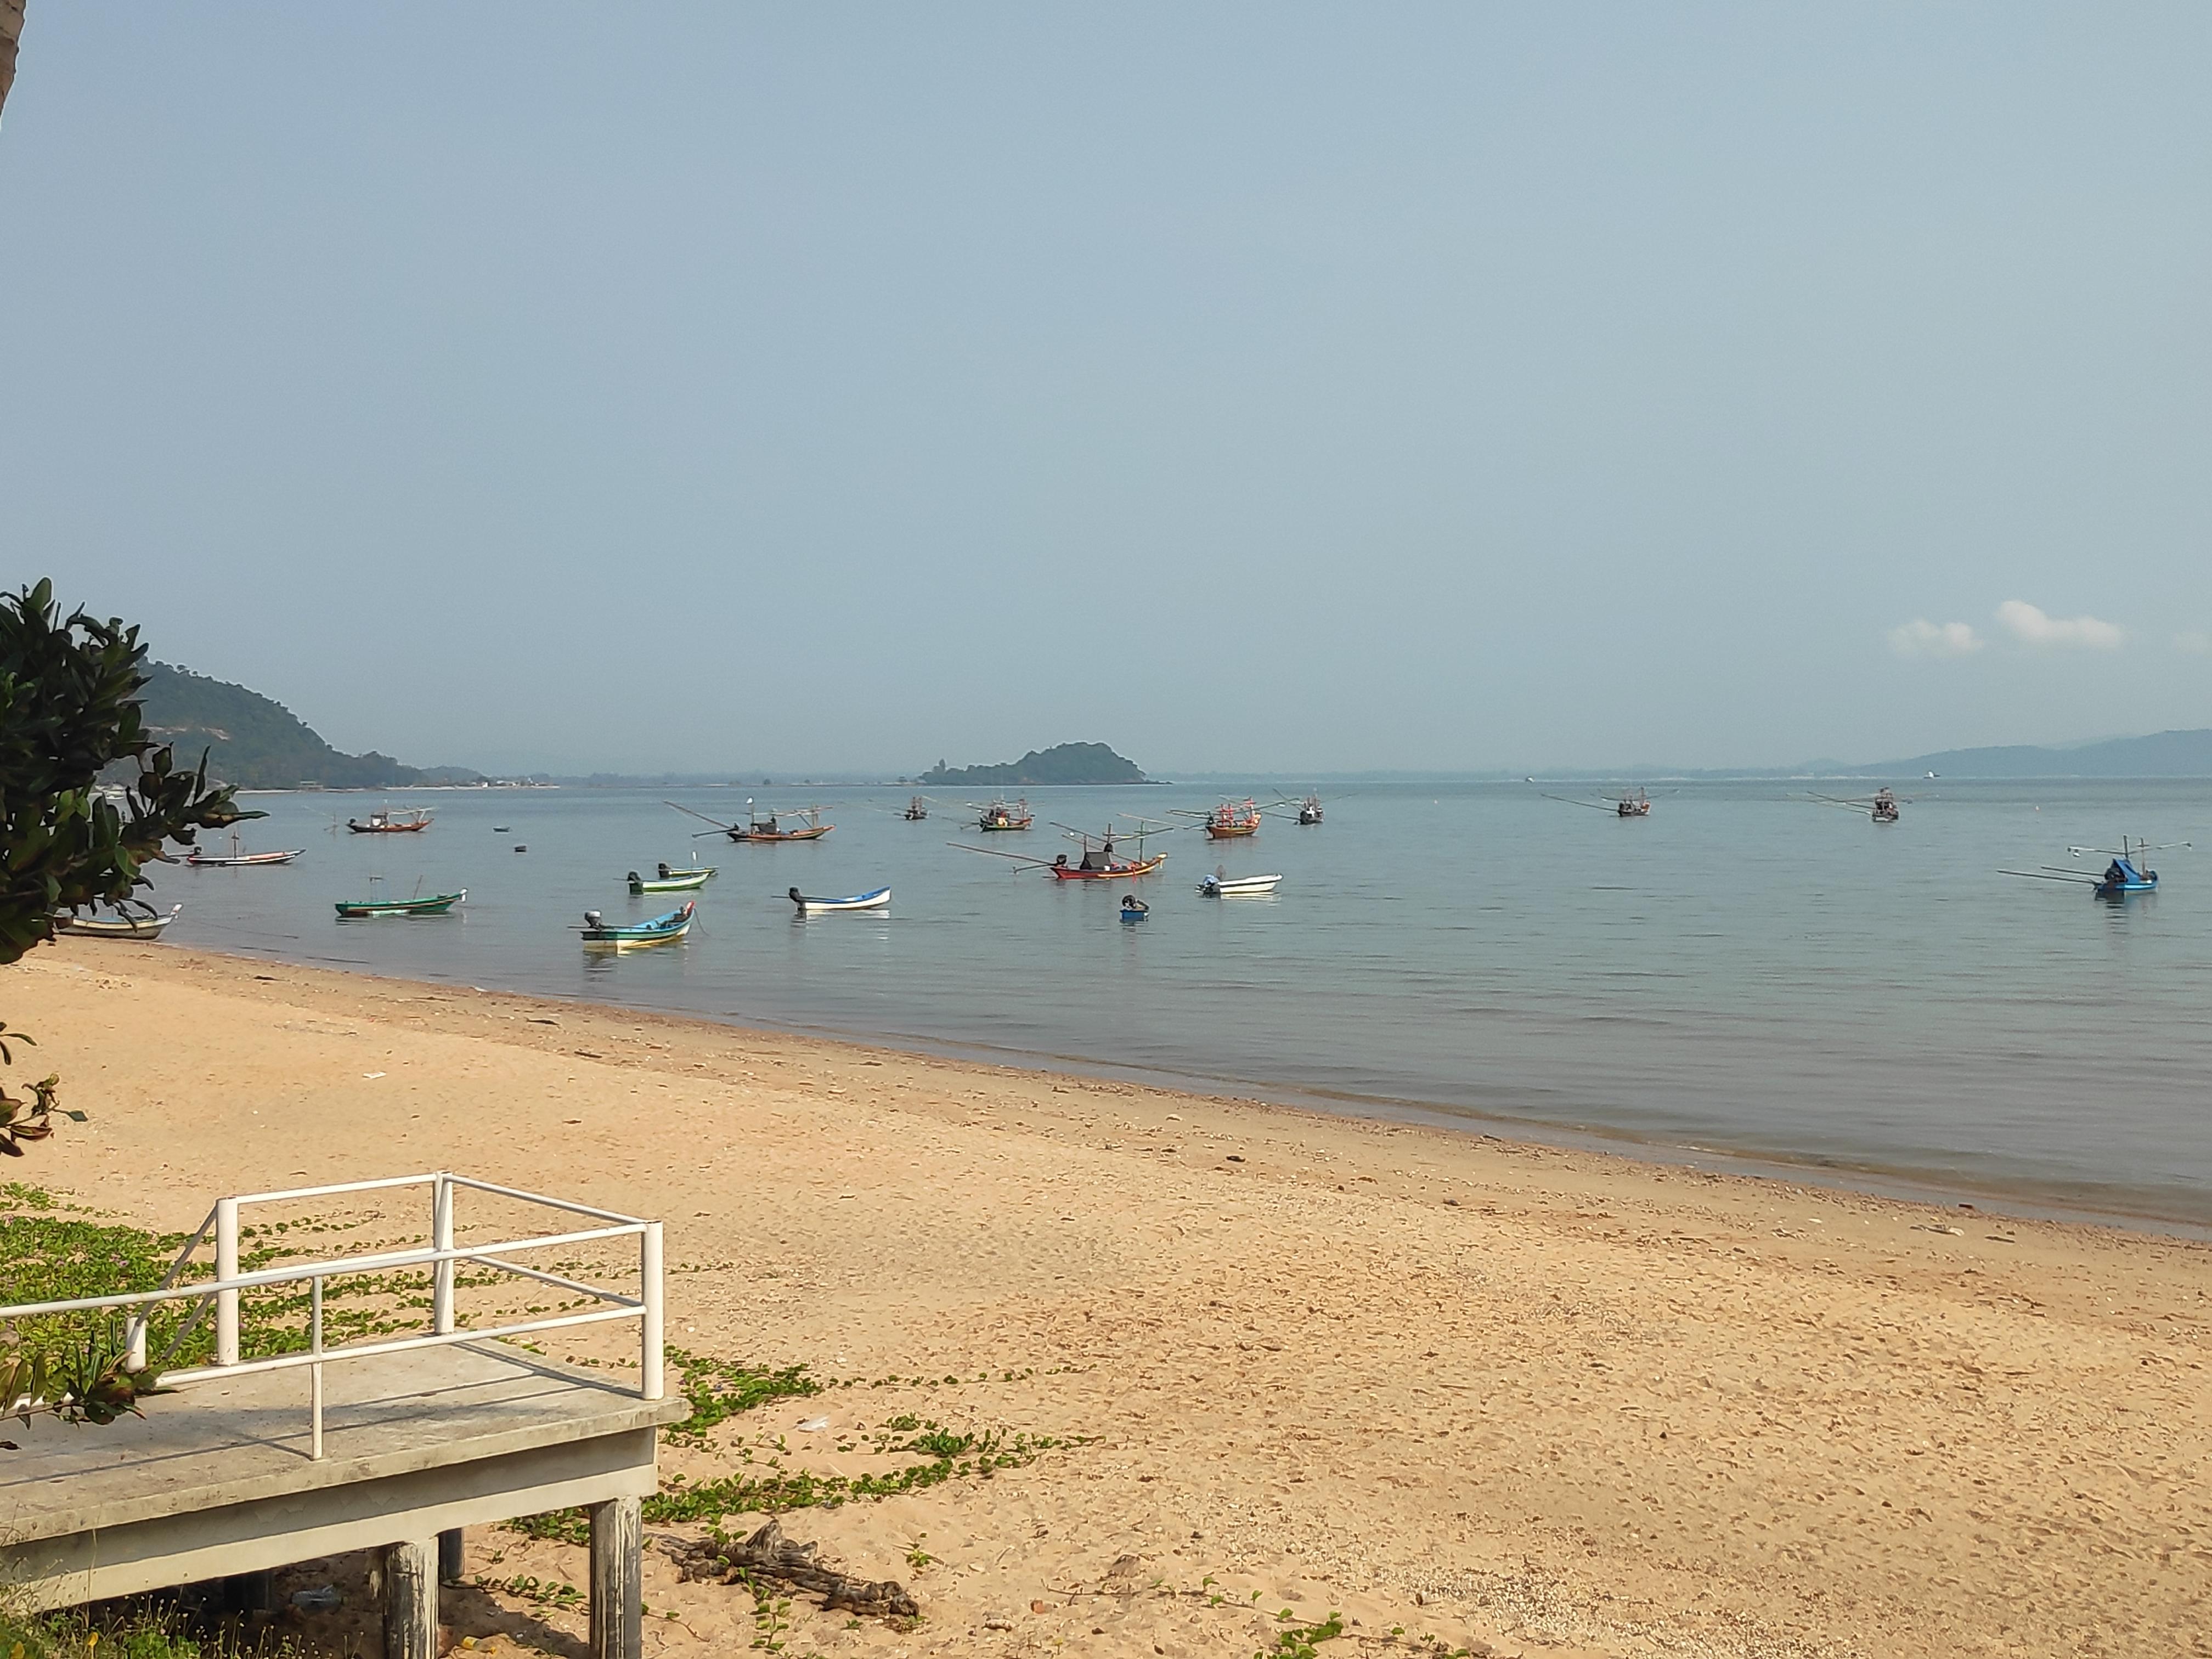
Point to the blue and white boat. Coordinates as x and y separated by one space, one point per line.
661 930
2124 876
880 899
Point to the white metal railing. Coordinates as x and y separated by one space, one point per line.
441 1257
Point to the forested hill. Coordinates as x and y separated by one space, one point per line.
257 743
1066 762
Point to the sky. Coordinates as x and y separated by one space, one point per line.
1261 387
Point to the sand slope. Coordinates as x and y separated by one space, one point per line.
1550 1401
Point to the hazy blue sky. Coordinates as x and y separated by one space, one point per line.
1270 386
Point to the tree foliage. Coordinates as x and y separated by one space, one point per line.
69 706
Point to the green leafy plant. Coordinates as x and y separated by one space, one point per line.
1303 1641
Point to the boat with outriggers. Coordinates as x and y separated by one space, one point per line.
1229 821
1099 861
917 809
1885 805
598 930
1623 805
384 821
668 880
766 827
1310 811
238 858
998 817
2126 876
878 899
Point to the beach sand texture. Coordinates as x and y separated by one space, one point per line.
1551 1402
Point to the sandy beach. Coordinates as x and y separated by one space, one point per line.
1514 1399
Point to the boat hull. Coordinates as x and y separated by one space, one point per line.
661 930
119 927
1229 831
1112 872
244 860
878 900
1238 886
365 909
813 834
673 883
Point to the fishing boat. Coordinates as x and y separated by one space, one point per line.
238 858
1229 820
917 809
2125 876
596 930
1310 810
766 826
436 904
670 881
116 926
386 822
880 899
998 817
1099 861
1219 886
1638 805
1883 806
1134 909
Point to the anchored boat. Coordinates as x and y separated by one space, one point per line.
238 858
997 816
917 809
660 930
1219 886
116 926
437 904
1099 861
880 899
766 826
2125 876
386 822
670 881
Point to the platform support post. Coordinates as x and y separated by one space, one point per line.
410 1600
449 1556
617 1580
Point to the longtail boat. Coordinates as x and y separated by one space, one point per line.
1883 806
1098 863
386 822
116 926
661 930
2125 876
1219 886
997 817
764 826
670 881
880 899
1229 820
1638 805
917 809
1309 810
437 904
238 858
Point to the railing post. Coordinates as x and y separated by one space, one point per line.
441 1238
134 1339
225 1268
649 1328
315 1376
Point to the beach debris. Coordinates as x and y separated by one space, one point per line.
814 1425
1938 1227
768 1553
371 1077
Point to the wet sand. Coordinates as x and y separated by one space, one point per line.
1455 1387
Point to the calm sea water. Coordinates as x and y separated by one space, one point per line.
1741 971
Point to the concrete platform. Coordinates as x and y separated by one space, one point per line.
216 1480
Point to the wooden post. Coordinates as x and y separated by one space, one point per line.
410 1600
617 1580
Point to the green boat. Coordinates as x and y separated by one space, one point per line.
670 881
436 905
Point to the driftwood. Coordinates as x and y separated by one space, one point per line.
769 1554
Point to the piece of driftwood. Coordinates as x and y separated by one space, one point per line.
769 1554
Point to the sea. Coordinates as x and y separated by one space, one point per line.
1745 978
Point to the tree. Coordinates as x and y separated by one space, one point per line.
69 706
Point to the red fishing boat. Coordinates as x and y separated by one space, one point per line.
1229 820
764 826
386 822
1099 861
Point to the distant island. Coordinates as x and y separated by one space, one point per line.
1066 762
255 743
2162 755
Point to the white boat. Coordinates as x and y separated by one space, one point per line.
116 926
1237 886
878 900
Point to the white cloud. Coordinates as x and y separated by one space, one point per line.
2196 642
1922 638
2033 626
